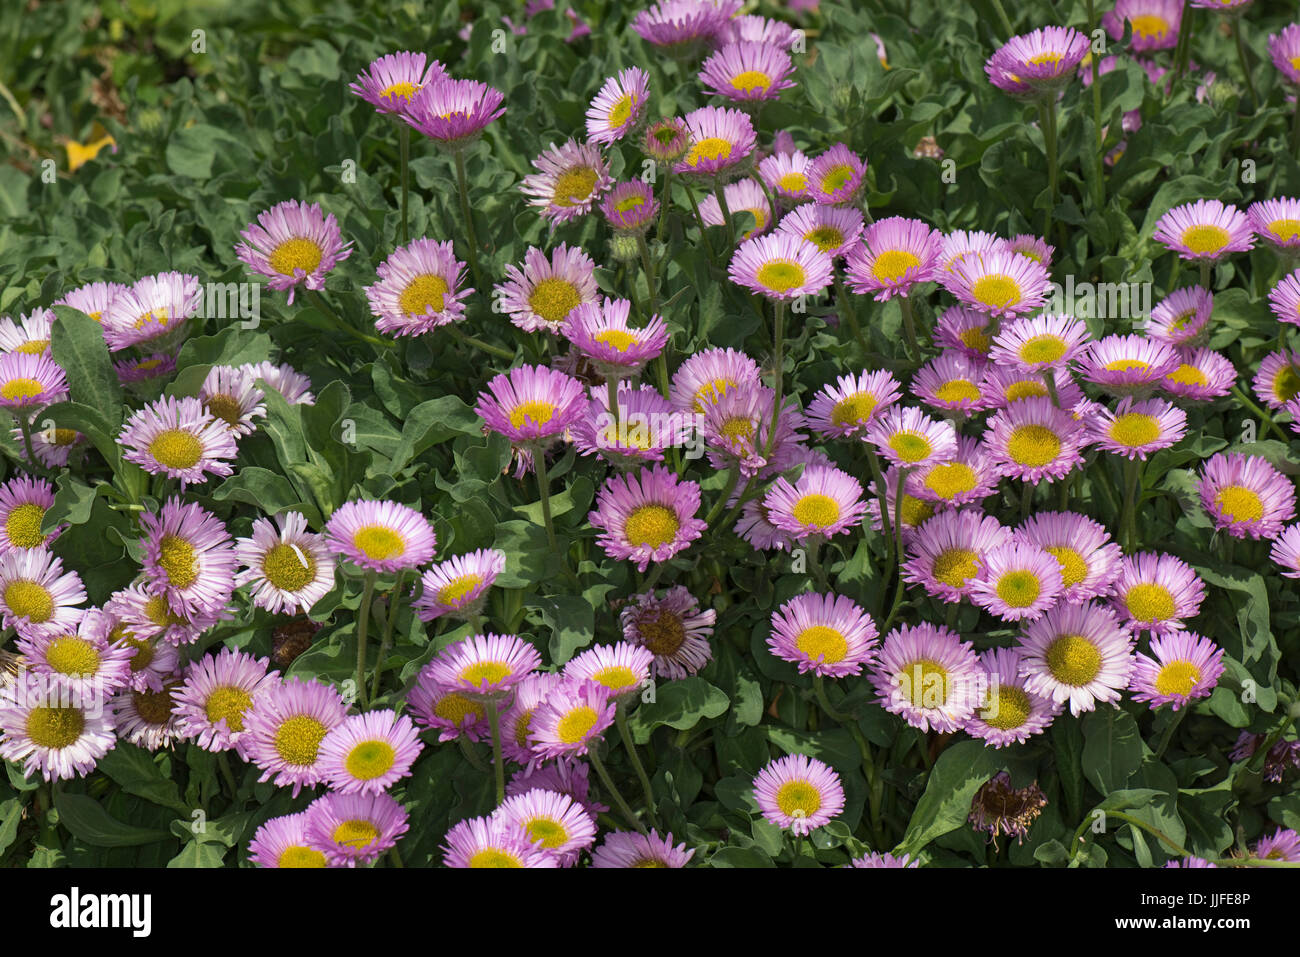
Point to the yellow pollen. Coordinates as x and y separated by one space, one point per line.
21 389
793 182
621 111
1019 588
652 525
23 525
301 857
494 857
710 148
1126 365
1286 384
854 409
616 677
1149 25
1205 239
457 709
711 392
1033 446
1011 709
424 294
1045 58
55 728
1239 504
179 560
370 760
537 411
454 592
1044 348
228 703
996 290
33 346
1150 602
355 833
911 447
1073 660
751 80
294 254
176 449
575 726
978 340
950 480
635 201
378 543
781 275
72 656
63 437
29 599
924 683
1134 429
1178 678
955 567
224 407
836 178
1074 570
574 186
553 299
523 724
816 511
915 511
401 88
957 390
1285 229
738 428
1188 375
546 831
1025 389
143 652
893 264
298 739
159 612
284 567
486 672
662 635
156 317
820 643
154 707
798 799
619 339
825 238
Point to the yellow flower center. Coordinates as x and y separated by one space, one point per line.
457 709
621 111
356 833
751 80
825 238
978 340
815 510
1019 588
1044 348
298 739
546 831
489 672
29 599
176 449
72 656
615 677
924 683
155 707
652 525
224 407
957 390
574 186
378 543
955 566
1285 229
662 635
836 177
159 612
781 275
300 856
635 201
156 317
1010 709
1033 445
793 182
294 254
63 437
370 760
1188 375
289 568
910 446
853 409
738 428
893 264
23 525
179 560
537 411
402 88
424 294
710 148
553 299
55 728
950 480
1150 602
1205 239
1025 389
1135 429
798 799
711 392
33 346
494 857
574 727
1239 504
996 290
1074 569
619 339
454 592
915 511
1178 678
228 703
20 389
1151 25
1073 660
1286 384
820 643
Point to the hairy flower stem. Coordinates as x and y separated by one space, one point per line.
1099 201
1047 110
363 627
625 732
778 351
463 189
1245 64
909 327
1132 469
404 143
498 764
614 794
386 640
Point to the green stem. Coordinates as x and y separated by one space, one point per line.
385 641
811 547
909 327
778 349
733 478
1026 500
849 313
478 343
543 486
620 716
1245 64
463 189
363 626
614 794
723 208
882 493
404 142
664 203
1206 267
498 764
730 517
1100 199
1132 467
611 393
223 763
1002 15
319 302
647 263
699 221
33 464
1295 128
1169 732
1182 53
1256 410
1047 109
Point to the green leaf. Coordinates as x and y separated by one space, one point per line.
960 771
136 771
88 821
1112 749
196 854
77 343
680 705
430 423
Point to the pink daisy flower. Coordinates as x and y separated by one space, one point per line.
153 309
781 266
1155 592
544 292
216 696
289 568
179 438
1245 495
484 666
293 244
1036 343
569 181
1181 318
29 382
1182 667
391 81
352 829
895 255
189 558
1009 713
799 793
285 727
1034 441
850 405
1089 560
369 753
602 334
909 438
1205 230
672 628
382 536
618 107
1136 429
947 553
836 176
573 715
454 113
928 676
1203 375
721 140
823 501
648 516
1017 581
1156 23
1079 654
968 477
625 849
530 403
746 71
420 287
1000 283
828 635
